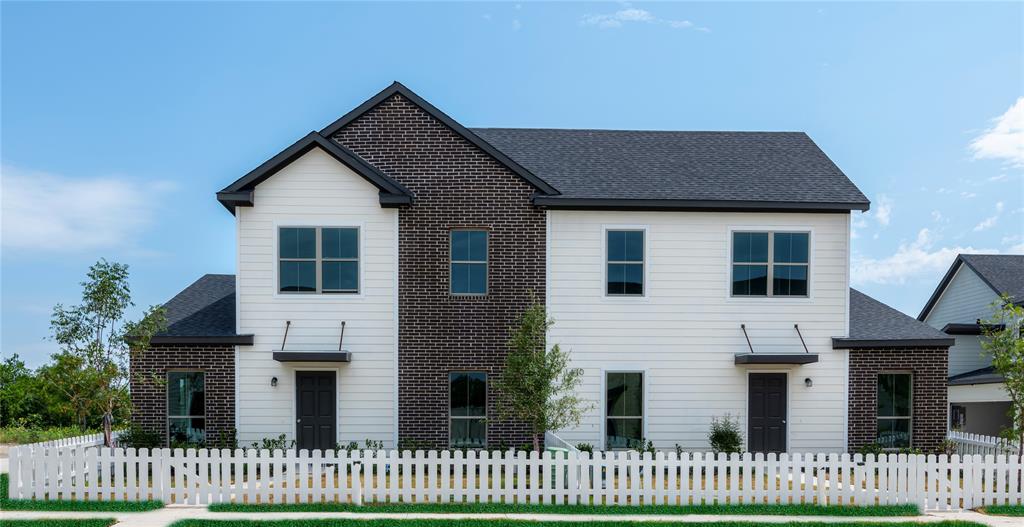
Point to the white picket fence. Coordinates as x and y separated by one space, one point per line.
610 478
982 444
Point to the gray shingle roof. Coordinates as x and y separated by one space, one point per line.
659 165
1003 272
874 324
204 309
986 375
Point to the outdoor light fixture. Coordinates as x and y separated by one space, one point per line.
808 382
273 382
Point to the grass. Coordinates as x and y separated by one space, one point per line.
1004 510
68 505
104 522
521 523
21 435
501 508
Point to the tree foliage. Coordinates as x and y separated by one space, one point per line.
537 385
1004 341
97 343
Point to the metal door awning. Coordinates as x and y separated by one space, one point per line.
796 358
312 355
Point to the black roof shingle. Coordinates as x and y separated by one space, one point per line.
874 324
734 169
1004 273
203 310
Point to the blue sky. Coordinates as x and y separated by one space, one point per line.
121 120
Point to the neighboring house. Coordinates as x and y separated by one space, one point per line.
961 302
382 261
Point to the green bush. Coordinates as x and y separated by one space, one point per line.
136 437
33 434
725 435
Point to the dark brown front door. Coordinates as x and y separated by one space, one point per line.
766 429
316 419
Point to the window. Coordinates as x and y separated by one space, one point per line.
186 407
625 263
778 259
894 410
625 409
319 260
469 262
467 393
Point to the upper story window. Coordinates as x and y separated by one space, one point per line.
625 263
770 263
895 410
319 260
468 262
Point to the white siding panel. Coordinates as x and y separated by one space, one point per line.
685 332
966 299
316 190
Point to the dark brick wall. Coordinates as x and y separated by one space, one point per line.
456 185
928 366
149 399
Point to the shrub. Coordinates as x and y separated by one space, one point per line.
137 437
642 445
871 448
276 443
33 434
585 447
725 436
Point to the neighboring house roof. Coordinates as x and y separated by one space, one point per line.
240 193
986 375
398 88
662 170
876 325
1004 273
203 313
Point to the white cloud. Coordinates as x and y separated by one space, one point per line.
1016 249
55 213
634 15
917 258
968 195
883 213
1000 177
936 215
1005 139
516 25
986 223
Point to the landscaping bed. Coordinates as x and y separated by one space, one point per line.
68 505
501 508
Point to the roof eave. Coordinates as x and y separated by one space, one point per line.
200 340
398 88
563 203
853 344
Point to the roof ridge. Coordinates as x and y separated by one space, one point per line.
640 130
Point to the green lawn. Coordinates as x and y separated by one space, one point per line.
58 523
67 505
521 523
1004 510
774 510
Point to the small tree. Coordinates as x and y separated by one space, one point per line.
97 343
1004 341
538 386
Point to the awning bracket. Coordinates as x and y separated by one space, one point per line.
797 328
287 324
744 328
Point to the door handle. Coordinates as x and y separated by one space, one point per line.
299 420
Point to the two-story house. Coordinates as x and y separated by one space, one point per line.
383 259
965 298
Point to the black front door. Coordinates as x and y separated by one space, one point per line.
766 429
315 408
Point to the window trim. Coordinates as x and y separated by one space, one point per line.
467 417
318 261
486 262
770 231
605 229
909 419
604 403
167 402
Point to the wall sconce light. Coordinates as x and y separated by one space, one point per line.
808 382
273 382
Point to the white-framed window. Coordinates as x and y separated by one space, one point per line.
624 409
770 263
467 401
186 407
895 410
468 262
318 260
624 262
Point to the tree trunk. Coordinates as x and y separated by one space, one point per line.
108 435
536 442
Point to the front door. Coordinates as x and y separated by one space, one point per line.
766 429
316 415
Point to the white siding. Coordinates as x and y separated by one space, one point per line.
685 332
966 299
316 190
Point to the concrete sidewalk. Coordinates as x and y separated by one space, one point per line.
169 515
